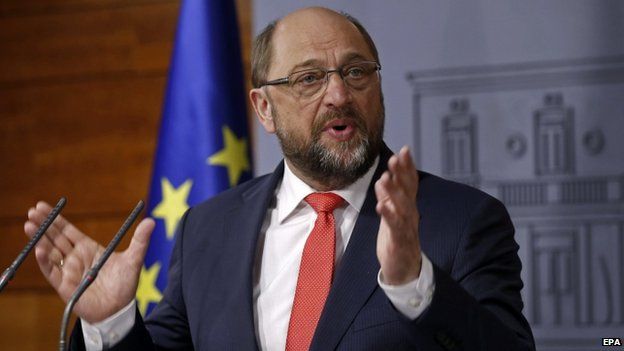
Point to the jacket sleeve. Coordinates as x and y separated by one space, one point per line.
477 305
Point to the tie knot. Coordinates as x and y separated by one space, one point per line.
324 202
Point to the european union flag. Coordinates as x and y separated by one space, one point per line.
202 146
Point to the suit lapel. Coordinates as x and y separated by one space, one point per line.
356 277
244 222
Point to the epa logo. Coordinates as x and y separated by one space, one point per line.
611 342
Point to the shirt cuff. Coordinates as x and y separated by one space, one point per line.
107 333
412 298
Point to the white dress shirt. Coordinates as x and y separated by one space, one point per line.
285 229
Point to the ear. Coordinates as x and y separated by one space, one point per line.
262 104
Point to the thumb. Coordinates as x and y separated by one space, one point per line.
381 186
140 241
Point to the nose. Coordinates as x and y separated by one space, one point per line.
337 93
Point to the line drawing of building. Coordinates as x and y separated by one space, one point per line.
546 138
459 143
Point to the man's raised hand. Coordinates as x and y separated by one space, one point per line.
65 254
398 244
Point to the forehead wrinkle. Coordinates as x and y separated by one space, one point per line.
324 43
316 52
312 63
301 39
314 34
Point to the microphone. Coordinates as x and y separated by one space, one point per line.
93 272
9 273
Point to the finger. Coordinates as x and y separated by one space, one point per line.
47 208
405 158
140 241
49 262
407 162
30 228
402 161
380 189
404 173
393 164
63 272
396 194
45 245
387 210
398 211
394 208
399 173
40 212
38 216
73 270
63 225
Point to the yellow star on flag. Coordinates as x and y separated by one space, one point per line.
233 156
147 290
173 205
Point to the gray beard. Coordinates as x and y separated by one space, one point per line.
337 167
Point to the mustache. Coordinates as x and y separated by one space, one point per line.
348 113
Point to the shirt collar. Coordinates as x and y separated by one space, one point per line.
293 190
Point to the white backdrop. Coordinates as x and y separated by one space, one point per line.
421 35
488 81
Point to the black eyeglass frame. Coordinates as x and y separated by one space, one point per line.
286 80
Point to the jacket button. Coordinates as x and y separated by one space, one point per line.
445 341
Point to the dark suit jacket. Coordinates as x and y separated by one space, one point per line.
467 235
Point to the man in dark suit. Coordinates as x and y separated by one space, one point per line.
345 246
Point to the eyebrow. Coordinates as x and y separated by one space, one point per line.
354 56
315 63
306 64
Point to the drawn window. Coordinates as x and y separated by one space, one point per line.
553 136
459 151
459 141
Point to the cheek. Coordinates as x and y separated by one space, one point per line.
296 117
303 118
371 108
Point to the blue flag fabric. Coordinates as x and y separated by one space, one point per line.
203 145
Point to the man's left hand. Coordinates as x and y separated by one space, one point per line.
398 244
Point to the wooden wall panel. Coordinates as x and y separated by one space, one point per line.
69 44
28 278
12 8
30 321
81 87
90 141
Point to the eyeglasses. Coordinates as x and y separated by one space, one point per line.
311 83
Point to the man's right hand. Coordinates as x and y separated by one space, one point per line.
65 254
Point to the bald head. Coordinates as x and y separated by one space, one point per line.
313 23
313 27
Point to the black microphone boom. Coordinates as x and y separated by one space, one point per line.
9 273
93 272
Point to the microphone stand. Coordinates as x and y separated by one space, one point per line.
9 273
93 272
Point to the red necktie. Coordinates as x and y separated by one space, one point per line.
315 273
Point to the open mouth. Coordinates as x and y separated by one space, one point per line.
340 129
